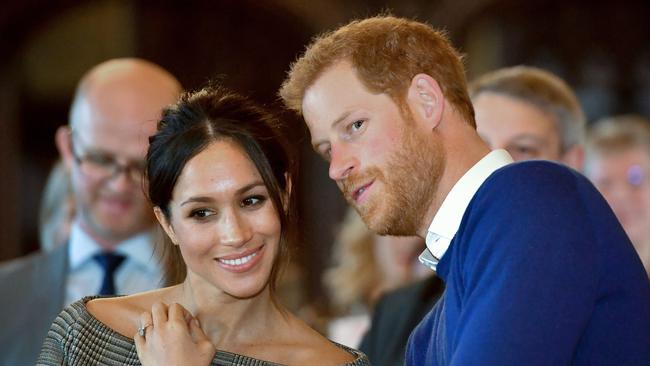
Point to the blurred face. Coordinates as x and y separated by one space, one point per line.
516 126
105 150
224 221
397 258
624 180
379 159
106 162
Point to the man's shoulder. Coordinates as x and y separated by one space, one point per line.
32 291
540 203
535 169
535 180
34 262
33 273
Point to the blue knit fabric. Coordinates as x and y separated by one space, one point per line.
540 272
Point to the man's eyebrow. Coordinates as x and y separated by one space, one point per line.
341 118
528 137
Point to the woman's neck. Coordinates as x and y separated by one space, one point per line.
227 320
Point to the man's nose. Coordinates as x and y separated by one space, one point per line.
121 181
342 163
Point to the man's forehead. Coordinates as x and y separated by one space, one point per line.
315 116
115 125
331 96
120 111
106 136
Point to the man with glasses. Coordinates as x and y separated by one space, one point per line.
618 162
111 248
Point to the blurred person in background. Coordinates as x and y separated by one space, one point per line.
56 210
110 248
366 266
531 113
525 110
618 162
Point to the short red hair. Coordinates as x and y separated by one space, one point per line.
386 52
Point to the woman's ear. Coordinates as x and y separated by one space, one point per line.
425 99
165 224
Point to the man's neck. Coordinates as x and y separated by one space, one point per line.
462 152
106 242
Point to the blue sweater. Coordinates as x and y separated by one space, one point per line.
540 272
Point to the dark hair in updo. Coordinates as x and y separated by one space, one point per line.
213 114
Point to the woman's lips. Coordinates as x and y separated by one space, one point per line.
241 262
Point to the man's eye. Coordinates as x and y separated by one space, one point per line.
356 125
252 201
526 151
102 160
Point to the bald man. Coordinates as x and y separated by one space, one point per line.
110 249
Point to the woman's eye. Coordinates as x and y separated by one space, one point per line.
200 214
252 201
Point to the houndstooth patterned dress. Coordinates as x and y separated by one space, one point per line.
78 338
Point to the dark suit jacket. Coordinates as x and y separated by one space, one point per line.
31 296
395 316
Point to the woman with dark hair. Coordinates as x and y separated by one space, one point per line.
219 177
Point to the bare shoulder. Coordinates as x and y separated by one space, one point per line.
122 314
314 349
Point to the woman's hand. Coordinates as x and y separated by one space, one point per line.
171 336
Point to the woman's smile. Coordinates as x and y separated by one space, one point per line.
242 262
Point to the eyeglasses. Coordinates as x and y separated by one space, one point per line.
635 175
101 166
635 179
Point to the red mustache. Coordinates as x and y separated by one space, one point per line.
354 182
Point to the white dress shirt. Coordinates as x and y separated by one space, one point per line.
445 223
140 270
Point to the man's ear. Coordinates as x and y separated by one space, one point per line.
574 157
166 225
63 142
425 99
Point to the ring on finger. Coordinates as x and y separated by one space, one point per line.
143 328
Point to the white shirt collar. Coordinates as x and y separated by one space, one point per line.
445 223
138 248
